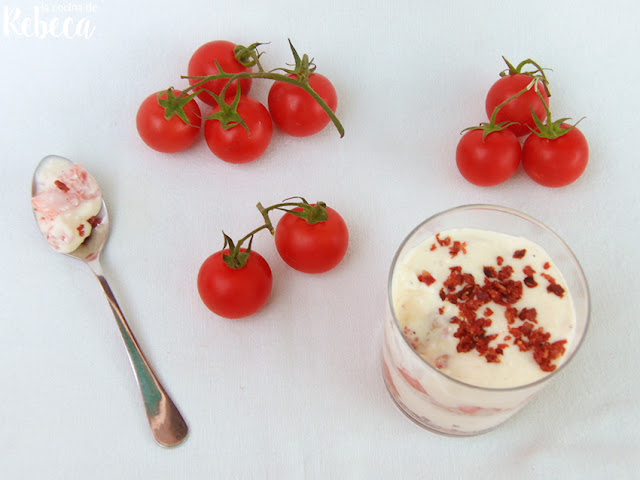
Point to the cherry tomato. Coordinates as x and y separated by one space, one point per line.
312 248
203 63
489 162
518 109
556 162
236 145
234 293
295 111
164 135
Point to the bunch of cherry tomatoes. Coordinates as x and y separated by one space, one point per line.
238 128
554 154
236 281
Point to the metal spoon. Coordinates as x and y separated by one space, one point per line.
167 425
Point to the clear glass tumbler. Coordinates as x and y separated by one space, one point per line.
443 404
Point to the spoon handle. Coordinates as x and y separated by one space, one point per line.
166 422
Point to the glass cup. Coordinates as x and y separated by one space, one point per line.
437 401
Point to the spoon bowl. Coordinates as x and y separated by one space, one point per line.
91 248
167 425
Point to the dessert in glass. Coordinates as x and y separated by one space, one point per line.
486 305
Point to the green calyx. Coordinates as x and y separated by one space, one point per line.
228 115
551 129
235 258
537 72
302 68
489 127
312 214
175 105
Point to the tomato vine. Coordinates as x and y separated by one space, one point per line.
537 73
250 57
311 213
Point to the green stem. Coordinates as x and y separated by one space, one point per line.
280 206
513 97
267 221
539 69
265 216
249 235
271 76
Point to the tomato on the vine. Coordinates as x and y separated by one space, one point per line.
489 161
234 292
519 109
236 144
295 111
167 135
203 63
525 91
312 248
556 162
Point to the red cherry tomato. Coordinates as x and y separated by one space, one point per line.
518 109
312 248
295 111
164 135
489 162
203 63
236 145
556 162
234 293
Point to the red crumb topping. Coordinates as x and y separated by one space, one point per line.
505 272
498 286
443 243
529 281
81 229
556 290
94 222
553 286
462 290
61 185
457 247
490 272
526 338
529 314
426 278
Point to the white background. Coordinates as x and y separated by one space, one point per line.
295 391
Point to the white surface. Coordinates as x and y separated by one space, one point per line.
296 391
